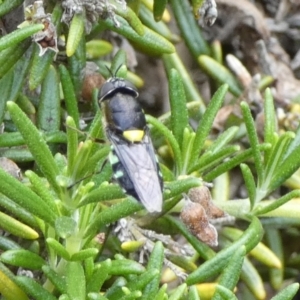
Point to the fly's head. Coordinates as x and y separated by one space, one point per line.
117 85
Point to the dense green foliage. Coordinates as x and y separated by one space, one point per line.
76 231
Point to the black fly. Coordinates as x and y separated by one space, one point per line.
132 157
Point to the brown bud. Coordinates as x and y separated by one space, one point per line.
194 217
202 196
91 81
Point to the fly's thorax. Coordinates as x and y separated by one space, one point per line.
123 112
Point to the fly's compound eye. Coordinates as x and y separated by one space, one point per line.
114 85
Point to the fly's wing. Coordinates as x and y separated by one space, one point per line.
142 171
150 149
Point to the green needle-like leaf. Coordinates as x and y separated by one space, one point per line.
146 16
223 139
97 48
287 293
219 73
126 267
5 87
80 162
177 187
159 7
289 165
36 144
196 7
280 148
250 238
232 162
187 145
9 289
8 5
224 293
103 193
72 137
96 162
253 139
10 56
270 118
49 105
84 254
217 52
170 139
99 275
150 42
18 35
193 293
173 61
155 262
39 67
260 210
17 210
118 65
261 252
96 130
112 214
75 33
23 258
136 284
294 145
8 244
200 247
33 288
206 123
58 281
75 281
162 294
10 139
250 184
252 279
25 197
178 293
189 28
129 15
17 228
20 73
211 160
276 157
276 245
69 94
76 64
179 115
58 248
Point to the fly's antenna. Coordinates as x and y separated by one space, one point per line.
114 75
117 70
110 72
